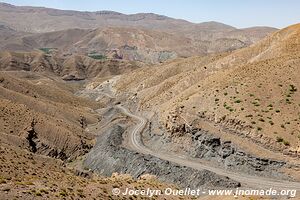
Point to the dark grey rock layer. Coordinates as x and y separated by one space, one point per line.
108 156
207 146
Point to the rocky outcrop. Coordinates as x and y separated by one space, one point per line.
108 156
31 137
210 147
205 145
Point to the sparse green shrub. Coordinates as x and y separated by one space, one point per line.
38 194
286 143
293 88
279 139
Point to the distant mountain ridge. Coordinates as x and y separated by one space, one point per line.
150 37
95 20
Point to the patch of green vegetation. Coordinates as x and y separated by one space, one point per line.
293 88
45 191
63 193
255 103
238 101
37 193
97 56
286 143
279 139
46 50
2 181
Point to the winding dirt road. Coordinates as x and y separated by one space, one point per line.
246 180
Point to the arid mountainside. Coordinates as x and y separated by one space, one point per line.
37 20
143 37
147 101
74 67
253 91
137 44
11 39
38 177
42 115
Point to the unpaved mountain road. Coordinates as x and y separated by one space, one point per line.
246 180
135 142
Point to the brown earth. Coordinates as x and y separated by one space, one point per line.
250 95
144 37
71 68
25 175
43 116
254 91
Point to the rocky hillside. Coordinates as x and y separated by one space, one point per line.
42 115
74 67
148 38
38 177
252 91
125 43
44 20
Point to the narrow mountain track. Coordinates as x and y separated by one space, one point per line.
246 180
